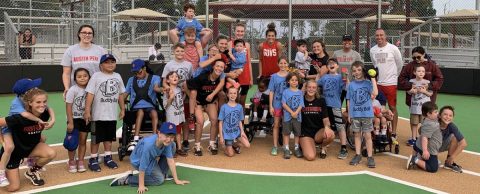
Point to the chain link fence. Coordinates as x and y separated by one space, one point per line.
450 40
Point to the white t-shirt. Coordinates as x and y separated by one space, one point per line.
76 57
388 60
183 69
419 98
106 89
301 62
76 96
174 112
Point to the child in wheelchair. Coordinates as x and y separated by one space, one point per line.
260 101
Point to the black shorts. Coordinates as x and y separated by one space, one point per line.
431 165
308 133
103 131
203 101
81 126
244 90
16 157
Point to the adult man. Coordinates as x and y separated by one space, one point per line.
387 59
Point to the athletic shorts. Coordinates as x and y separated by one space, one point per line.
16 157
278 112
416 119
362 124
308 132
80 125
431 165
186 109
446 143
179 128
6 130
293 125
204 102
336 119
391 94
244 90
103 131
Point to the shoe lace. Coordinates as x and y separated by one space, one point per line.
36 175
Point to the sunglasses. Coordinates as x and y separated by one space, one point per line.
416 57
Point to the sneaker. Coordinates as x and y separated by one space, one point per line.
93 165
122 180
191 122
168 177
198 150
131 146
255 119
3 180
212 148
411 142
80 166
370 162
298 153
343 153
286 153
180 152
323 154
356 160
454 167
72 166
274 151
108 161
34 177
185 145
236 149
263 119
411 161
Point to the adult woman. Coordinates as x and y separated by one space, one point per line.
26 137
208 85
453 140
26 40
85 54
245 78
269 52
315 131
432 74
319 57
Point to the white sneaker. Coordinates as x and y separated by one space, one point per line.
72 166
131 146
255 119
263 120
3 180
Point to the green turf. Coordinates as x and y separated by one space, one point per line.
218 182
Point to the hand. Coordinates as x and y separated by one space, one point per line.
272 111
328 132
221 141
122 114
166 89
70 127
141 189
294 115
87 117
171 95
426 155
209 98
217 57
233 58
349 119
65 94
181 182
412 91
49 124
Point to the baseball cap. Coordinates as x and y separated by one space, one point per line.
333 59
106 57
168 128
71 140
347 37
25 84
137 64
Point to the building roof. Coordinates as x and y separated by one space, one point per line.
139 13
393 19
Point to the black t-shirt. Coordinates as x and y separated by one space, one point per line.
26 134
316 60
313 114
203 85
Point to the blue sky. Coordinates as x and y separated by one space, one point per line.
452 5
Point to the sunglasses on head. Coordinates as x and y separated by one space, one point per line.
416 57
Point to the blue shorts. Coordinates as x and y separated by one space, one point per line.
431 165
144 109
229 142
6 130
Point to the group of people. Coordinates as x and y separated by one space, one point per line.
217 84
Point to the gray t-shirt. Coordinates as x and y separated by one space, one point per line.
76 57
431 130
301 62
175 112
76 96
345 59
183 69
419 98
106 89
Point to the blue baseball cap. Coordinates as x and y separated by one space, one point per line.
106 57
137 64
71 140
25 84
168 128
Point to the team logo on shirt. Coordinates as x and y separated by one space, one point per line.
360 96
232 119
110 87
294 101
178 102
182 74
79 103
330 84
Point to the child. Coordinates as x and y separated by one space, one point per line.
239 58
430 141
359 97
276 87
420 95
260 98
17 106
231 124
174 108
192 53
188 20
302 60
75 100
104 91
292 103
382 114
144 159
142 89
332 85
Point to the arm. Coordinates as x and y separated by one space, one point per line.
270 101
121 103
69 117
141 182
279 49
426 154
249 62
218 88
3 122
437 78
398 59
169 99
88 106
34 40
51 122
288 109
404 77
220 128
173 170
67 70
349 119
31 117
260 57
209 61
375 89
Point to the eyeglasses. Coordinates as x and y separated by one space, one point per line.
86 33
416 57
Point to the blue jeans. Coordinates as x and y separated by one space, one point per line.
157 177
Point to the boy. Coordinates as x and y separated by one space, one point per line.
260 100
142 89
239 58
144 159
302 60
104 91
177 34
430 141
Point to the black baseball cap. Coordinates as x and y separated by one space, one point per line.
347 37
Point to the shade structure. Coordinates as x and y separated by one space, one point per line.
139 14
392 19
463 13
221 18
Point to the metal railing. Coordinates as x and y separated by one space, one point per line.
11 40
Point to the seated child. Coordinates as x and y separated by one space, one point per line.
302 60
177 34
260 98
382 115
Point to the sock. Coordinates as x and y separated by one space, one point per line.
265 112
416 160
197 144
376 131
93 155
108 153
255 114
212 142
297 146
344 146
286 147
384 131
136 137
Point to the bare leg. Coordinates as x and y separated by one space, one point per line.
13 176
173 35
199 123
206 34
395 118
308 148
212 112
229 151
154 117
276 127
358 143
138 121
107 146
368 143
455 149
82 145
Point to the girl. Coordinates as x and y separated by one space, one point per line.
27 140
245 78
360 114
173 103
269 52
230 125
276 86
420 94
27 39
292 103
75 100
315 131
319 60
208 85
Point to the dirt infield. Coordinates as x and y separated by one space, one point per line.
258 158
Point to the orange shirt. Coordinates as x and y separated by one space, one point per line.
270 59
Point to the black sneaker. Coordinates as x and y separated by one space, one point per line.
454 167
411 161
34 177
185 145
236 148
343 153
323 154
356 160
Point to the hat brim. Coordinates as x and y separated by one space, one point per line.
113 58
36 83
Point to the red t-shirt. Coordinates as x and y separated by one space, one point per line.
270 59
244 78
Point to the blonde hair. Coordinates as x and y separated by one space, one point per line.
311 81
28 97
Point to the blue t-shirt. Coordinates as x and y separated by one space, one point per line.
208 68
231 117
16 107
292 99
182 24
143 157
277 85
332 89
151 93
359 95
240 59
